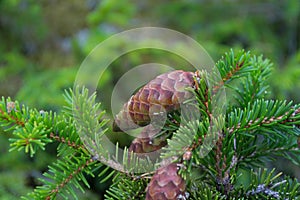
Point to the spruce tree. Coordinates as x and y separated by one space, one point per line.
204 158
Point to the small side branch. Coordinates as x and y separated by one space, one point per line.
65 141
68 179
10 118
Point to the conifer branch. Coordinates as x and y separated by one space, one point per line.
212 147
10 118
266 152
69 178
8 110
68 142
63 176
273 112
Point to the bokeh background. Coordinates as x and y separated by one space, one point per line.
42 44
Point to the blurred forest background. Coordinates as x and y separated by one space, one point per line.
42 44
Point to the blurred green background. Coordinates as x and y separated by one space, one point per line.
42 44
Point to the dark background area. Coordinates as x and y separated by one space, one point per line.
42 44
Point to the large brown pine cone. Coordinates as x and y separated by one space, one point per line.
166 184
162 94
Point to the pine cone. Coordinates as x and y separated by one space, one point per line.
166 184
162 94
146 142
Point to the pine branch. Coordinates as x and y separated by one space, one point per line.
11 114
211 149
244 76
232 66
125 187
66 141
39 129
181 140
63 177
266 185
263 114
255 85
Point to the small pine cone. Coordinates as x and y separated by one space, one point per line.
147 142
166 184
160 95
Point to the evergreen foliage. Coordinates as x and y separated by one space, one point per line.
253 131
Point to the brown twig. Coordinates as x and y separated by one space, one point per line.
5 116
